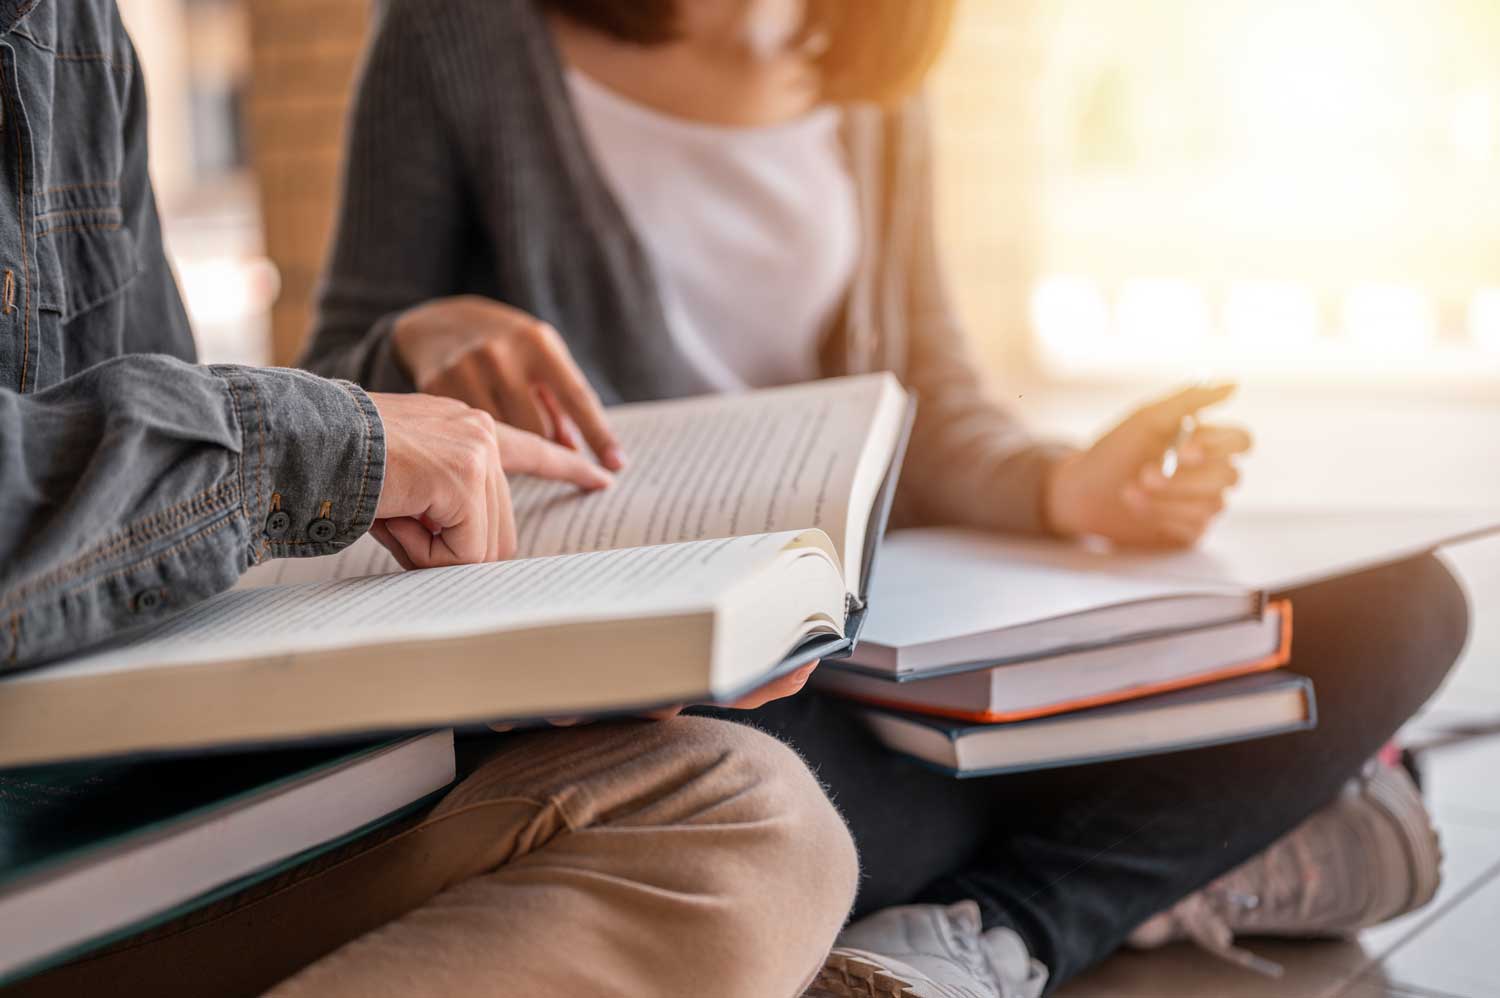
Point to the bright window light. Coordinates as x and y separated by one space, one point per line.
1163 313
1484 319
1270 313
1069 312
1390 319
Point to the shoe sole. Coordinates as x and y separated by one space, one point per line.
845 975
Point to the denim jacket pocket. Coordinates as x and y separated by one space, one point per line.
84 253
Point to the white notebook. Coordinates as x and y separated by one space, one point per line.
950 598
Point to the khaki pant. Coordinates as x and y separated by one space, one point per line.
689 857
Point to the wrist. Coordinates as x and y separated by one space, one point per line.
1057 504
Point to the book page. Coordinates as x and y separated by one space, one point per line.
366 556
779 459
444 602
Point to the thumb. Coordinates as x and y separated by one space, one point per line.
1164 415
523 453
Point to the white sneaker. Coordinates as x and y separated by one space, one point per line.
928 951
1366 858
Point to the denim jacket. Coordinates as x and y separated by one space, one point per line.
133 481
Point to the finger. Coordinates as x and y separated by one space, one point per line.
1165 415
501 726
461 538
414 539
580 401
494 481
502 514
785 686
1203 481
1156 510
664 714
528 454
382 534
1184 534
466 385
522 409
564 431
1217 441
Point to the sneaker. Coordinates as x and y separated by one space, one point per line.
928 951
1366 858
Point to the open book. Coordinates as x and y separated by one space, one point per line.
736 547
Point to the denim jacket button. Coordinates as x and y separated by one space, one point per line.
277 524
322 530
147 600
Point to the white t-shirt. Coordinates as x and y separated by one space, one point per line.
752 232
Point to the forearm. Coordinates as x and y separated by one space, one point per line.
972 461
145 484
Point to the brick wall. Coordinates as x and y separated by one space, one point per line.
304 56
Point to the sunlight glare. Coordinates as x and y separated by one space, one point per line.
1389 319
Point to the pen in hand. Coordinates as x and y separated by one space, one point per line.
1172 459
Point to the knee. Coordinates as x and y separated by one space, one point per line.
1397 629
1434 610
785 879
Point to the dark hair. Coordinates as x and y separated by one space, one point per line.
876 50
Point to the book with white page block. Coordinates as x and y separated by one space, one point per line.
736 547
993 629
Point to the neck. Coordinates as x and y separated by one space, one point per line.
721 77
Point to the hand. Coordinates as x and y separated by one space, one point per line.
1116 489
507 363
445 500
785 686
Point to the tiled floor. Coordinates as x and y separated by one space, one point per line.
1403 455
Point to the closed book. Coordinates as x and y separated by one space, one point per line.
90 852
1074 680
1228 711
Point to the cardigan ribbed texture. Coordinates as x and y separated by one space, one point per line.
467 173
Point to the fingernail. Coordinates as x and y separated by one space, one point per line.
613 458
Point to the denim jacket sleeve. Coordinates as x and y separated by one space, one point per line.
146 483
132 481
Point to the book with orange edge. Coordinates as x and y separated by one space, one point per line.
1075 681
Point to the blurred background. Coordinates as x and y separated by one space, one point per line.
1295 192
1292 192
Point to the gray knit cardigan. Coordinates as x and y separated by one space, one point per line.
467 173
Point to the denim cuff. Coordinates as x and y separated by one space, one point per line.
312 460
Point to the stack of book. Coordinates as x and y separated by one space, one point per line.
992 655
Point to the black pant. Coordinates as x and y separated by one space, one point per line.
1074 859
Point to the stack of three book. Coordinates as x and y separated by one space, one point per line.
991 655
